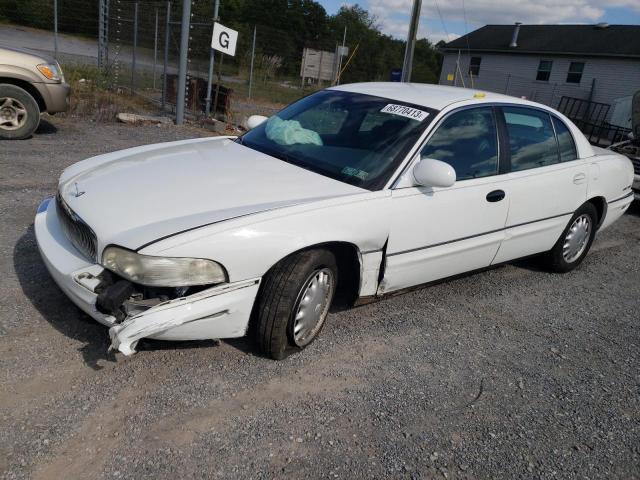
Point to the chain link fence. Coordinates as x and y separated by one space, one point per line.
132 47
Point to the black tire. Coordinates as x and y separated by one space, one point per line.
280 295
12 97
555 258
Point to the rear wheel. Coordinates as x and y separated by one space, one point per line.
294 302
575 241
19 113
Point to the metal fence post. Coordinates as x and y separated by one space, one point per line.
135 45
215 101
55 28
167 29
184 54
103 35
212 59
155 50
253 55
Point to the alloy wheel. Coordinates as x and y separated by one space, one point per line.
13 114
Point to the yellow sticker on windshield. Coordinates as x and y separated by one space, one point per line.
404 111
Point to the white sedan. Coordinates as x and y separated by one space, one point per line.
347 195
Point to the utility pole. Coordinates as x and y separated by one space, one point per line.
411 41
212 59
182 66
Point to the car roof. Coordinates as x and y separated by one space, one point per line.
427 95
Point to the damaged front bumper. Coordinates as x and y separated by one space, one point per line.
221 311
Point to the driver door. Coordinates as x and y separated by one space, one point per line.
440 232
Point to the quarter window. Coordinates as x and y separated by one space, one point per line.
532 141
474 66
575 72
544 70
467 141
565 141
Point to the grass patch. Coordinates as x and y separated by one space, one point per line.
91 99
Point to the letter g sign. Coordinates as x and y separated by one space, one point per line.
224 39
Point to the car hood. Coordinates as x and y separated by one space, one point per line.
135 197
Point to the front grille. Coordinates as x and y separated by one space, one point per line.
78 232
636 164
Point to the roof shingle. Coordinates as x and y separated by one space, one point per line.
588 40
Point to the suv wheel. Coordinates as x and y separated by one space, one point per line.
19 113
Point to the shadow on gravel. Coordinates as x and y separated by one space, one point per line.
46 128
54 306
634 209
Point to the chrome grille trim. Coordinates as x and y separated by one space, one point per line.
636 164
76 230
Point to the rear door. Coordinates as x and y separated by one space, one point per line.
546 185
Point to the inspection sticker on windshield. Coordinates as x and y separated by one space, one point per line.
403 111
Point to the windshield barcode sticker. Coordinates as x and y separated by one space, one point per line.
408 112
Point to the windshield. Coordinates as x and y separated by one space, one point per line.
358 139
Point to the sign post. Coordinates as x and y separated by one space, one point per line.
223 40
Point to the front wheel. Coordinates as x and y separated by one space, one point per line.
19 113
294 302
575 241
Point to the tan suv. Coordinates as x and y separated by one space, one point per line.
30 83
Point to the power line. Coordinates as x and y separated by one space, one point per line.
444 27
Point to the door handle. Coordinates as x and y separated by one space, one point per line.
579 178
495 196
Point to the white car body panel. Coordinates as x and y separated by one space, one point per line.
186 185
534 226
420 250
215 199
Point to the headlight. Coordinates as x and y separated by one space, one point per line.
162 271
52 71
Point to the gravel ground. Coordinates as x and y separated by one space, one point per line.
509 373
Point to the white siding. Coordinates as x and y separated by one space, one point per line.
516 75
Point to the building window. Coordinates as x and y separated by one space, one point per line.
544 70
575 72
474 66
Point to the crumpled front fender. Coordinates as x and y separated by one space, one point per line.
218 312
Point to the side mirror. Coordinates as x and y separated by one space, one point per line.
434 173
254 120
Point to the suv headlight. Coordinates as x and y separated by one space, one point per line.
155 271
52 71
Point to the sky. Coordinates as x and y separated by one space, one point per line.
449 19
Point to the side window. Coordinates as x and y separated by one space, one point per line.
544 70
575 72
474 66
532 141
565 141
467 141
